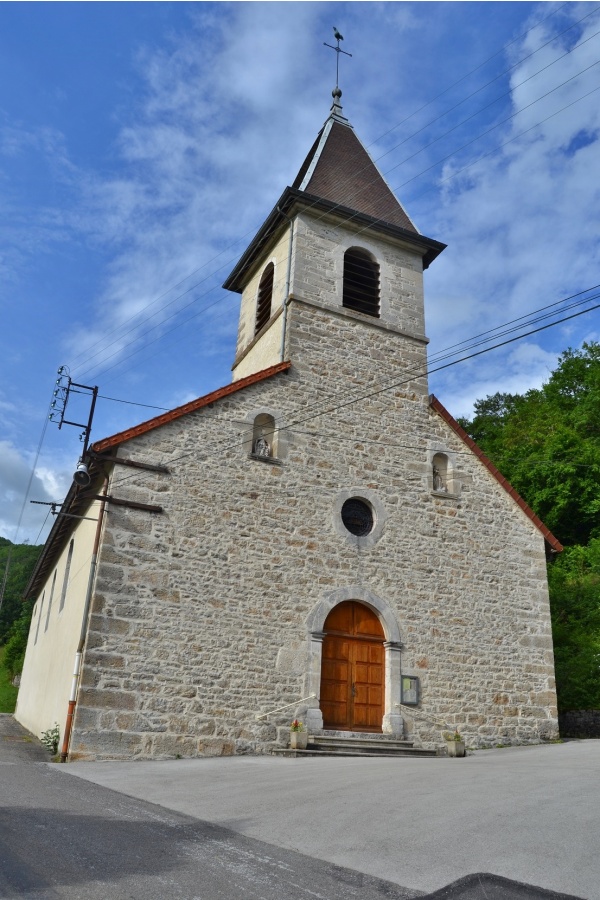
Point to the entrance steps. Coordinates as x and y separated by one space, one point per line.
355 743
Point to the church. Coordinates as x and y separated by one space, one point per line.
318 540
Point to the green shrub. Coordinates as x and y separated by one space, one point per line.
50 739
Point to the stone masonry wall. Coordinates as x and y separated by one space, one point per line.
320 245
264 355
199 613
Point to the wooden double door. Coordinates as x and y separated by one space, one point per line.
352 669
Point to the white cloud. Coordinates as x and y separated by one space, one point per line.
218 123
522 225
196 172
49 483
525 366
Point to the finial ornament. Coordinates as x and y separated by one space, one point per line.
336 106
339 37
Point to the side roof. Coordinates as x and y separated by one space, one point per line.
552 542
78 499
116 439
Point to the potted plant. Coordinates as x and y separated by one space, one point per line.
298 736
454 743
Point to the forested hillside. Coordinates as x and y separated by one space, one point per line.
14 614
22 561
547 443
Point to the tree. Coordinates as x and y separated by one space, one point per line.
16 644
23 558
547 443
574 580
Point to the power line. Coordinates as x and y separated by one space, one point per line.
177 312
383 389
511 140
488 153
24 504
133 403
501 97
476 69
353 439
368 227
497 331
504 329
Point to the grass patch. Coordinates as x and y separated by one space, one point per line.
8 693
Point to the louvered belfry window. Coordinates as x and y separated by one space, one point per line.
265 294
361 282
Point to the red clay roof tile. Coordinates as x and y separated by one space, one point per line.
194 405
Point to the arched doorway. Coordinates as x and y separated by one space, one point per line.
352 669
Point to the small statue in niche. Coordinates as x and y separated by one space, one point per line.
261 447
438 481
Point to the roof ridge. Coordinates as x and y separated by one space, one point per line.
321 141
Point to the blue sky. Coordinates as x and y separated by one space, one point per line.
142 144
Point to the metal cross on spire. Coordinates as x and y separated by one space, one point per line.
339 37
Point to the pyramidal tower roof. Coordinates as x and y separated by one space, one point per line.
339 178
339 169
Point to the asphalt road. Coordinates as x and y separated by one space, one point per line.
269 829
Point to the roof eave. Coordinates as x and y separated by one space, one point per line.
193 406
75 504
291 197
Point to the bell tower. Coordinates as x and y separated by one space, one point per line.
337 242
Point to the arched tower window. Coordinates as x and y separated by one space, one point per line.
265 295
361 282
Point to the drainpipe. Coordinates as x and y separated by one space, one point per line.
287 283
79 654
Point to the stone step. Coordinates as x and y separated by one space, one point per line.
355 744
368 748
361 736
313 750
362 742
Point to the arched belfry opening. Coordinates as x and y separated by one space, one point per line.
361 282
352 691
265 296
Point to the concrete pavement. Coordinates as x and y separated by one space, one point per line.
528 813
63 838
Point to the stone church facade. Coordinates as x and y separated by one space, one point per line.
319 539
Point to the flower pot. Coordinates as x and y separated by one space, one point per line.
455 748
298 740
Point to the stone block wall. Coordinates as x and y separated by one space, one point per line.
199 618
318 270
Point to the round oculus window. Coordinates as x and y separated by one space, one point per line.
357 517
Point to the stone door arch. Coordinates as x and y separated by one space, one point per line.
391 721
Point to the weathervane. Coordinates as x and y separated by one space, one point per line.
339 37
